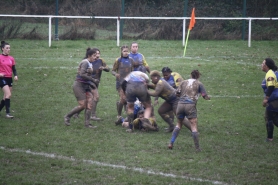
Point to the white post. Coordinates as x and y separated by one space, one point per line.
49 32
249 34
183 32
118 31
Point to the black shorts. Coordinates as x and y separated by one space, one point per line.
6 81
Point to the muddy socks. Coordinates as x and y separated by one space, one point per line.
195 136
175 134
119 108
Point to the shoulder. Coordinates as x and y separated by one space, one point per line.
175 74
131 59
161 81
84 62
270 75
118 59
11 57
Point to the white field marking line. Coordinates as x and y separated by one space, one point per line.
238 96
141 170
176 57
149 57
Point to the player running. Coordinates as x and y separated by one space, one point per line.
82 88
189 91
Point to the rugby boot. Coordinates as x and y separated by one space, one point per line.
129 130
9 116
170 146
67 120
67 117
170 129
94 118
119 121
90 126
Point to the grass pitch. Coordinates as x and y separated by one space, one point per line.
37 148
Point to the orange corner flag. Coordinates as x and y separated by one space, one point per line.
192 20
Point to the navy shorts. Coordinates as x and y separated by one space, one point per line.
6 81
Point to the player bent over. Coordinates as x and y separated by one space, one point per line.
189 91
135 87
165 91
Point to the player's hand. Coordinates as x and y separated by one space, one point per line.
265 102
117 76
96 81
101 68
15 78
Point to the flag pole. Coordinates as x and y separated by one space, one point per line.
186 42
191 25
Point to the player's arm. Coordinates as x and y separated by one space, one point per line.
14 70
203 92
84 74
158 89
146 64
145 76
151 86
104 66
133 63
115 69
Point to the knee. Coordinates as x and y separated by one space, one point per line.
8 95
82 104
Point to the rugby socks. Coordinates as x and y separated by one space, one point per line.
75 110
130 120
175 134
88 113
119 108
7 104
2 104
195 136
167 119
270 128
94 107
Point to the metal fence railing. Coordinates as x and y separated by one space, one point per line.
117 20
